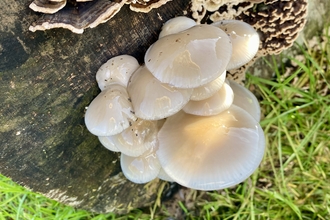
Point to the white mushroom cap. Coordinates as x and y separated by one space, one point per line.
110 112
153 100
244 38
118 69
246 100
140 169
209 89
176 25
217 103
213 152
190 58
108 143
138 138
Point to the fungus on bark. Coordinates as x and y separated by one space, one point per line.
77 15
209 142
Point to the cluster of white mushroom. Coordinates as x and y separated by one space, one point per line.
176 117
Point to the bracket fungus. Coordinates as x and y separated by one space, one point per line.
77 15
206 143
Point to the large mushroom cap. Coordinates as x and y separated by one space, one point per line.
110 112
153 100
210 153
190 58
117 69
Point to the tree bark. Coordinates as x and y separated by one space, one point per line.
47 80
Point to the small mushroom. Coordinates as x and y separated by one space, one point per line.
213 152
108 143
110 112
176 25
191 58
141 169
246 100
245 41
118 69
209 89
153 100
214 105
138 138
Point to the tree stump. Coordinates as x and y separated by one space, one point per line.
47 80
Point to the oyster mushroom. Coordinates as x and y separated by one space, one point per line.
180 59
108 143
209 89
118 69
138 138
217 103
153 100
110 112
244 39
213 152
176 25
141 169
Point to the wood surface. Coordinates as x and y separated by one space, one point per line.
46 81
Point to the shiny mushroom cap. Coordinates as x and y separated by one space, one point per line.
209 89
118 69
176 25
110 112
153 100
214 105
180 59
211 153
141 169
108 143
137 138
245 41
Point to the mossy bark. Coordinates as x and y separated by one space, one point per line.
47 80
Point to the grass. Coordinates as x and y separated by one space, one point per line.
292 181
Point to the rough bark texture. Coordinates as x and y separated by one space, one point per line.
46 81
